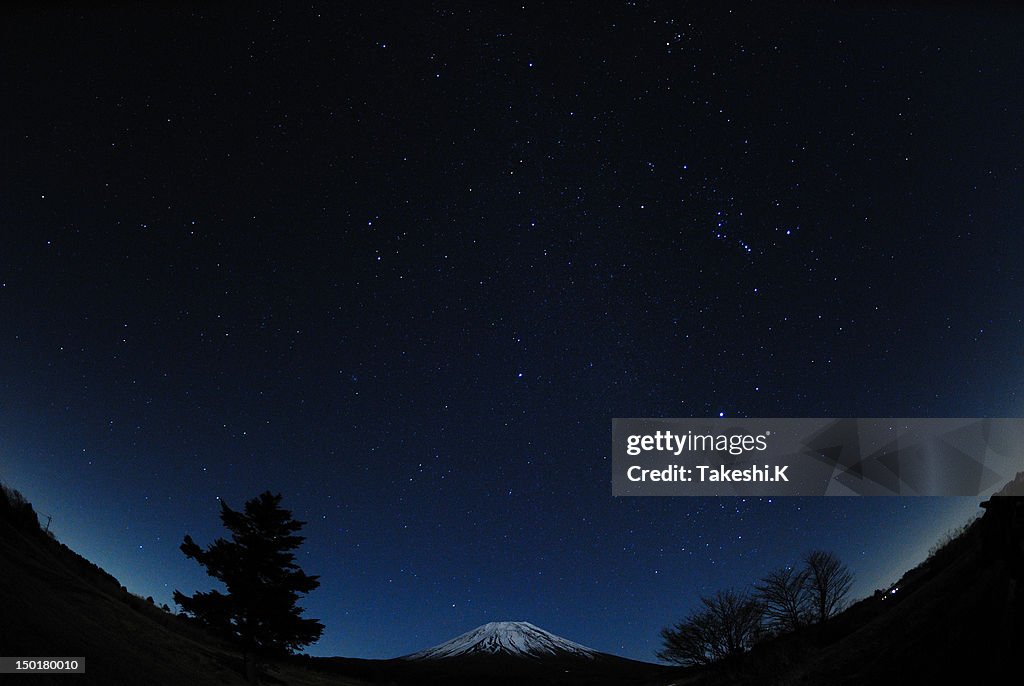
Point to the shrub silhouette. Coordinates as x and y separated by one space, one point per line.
726 626
16 509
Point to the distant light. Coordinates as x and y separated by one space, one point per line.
721 414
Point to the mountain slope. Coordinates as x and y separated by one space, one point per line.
508 638
961 612
53 602
501 653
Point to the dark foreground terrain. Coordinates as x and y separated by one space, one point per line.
54 602
956 618
959 613
504 671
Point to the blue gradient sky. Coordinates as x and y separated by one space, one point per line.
404 266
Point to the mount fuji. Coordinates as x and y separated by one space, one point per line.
515 639
505 654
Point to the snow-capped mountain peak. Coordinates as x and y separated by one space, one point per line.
520 639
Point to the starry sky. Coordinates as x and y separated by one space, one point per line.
403 263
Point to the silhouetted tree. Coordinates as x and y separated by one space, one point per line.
690 642
828 581
726 626
263 583
785 595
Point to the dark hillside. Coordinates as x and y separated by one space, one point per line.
53 602
960 612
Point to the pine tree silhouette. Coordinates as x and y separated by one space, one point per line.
257 567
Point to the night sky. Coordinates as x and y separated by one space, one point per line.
404 262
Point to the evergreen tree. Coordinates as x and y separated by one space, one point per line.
263 583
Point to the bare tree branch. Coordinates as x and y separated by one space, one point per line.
829 580
726 627
785 594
